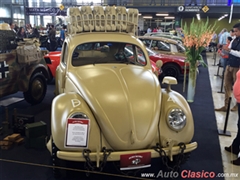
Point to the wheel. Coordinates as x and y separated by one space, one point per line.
171 70
37 89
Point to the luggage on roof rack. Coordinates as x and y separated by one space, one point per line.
102 18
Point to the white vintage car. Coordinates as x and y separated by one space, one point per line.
109 105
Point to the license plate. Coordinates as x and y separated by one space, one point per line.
135 161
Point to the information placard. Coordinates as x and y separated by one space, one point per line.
77 132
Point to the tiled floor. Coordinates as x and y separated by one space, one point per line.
218 99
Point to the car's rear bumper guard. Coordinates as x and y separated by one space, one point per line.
115 155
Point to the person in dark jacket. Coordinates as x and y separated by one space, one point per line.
21 33
34 34
52 37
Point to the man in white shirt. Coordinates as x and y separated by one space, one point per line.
223 37
149 30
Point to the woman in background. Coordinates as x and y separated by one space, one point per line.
21 33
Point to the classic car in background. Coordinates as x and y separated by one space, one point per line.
164 45
109 105
166 35
52 59
172 65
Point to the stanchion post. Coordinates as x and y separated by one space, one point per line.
224 131
214 56
221 90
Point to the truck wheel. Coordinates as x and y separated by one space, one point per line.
37 89
171 70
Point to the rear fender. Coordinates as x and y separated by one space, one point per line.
63 106
172 99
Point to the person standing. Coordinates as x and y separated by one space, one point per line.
223 54
34 34
233 64
12 26
52 37
21 33
222 42
154 30
234 148
63 33
149 30
223 37
159 29
138 31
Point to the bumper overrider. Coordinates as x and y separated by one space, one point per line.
115 155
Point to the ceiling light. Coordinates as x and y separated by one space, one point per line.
139 14
147 17
219 19
222 17
169 17
161 14
198 17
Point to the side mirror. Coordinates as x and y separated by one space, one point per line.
159 64
169 81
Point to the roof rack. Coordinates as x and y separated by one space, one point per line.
102 18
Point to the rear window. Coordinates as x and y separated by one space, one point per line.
108 52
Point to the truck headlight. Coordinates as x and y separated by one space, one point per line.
176 119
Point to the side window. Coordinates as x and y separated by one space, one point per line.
140 56
180 49
154 45
146 42
64 53
162 46
135 55
174 48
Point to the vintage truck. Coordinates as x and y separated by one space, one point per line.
109 105
22 67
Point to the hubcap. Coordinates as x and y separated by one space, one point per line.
37 89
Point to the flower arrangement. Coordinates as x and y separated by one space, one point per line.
196 38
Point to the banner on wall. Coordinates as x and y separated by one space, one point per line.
45 12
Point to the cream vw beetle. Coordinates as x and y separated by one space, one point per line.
109 105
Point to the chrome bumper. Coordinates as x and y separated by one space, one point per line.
115 156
